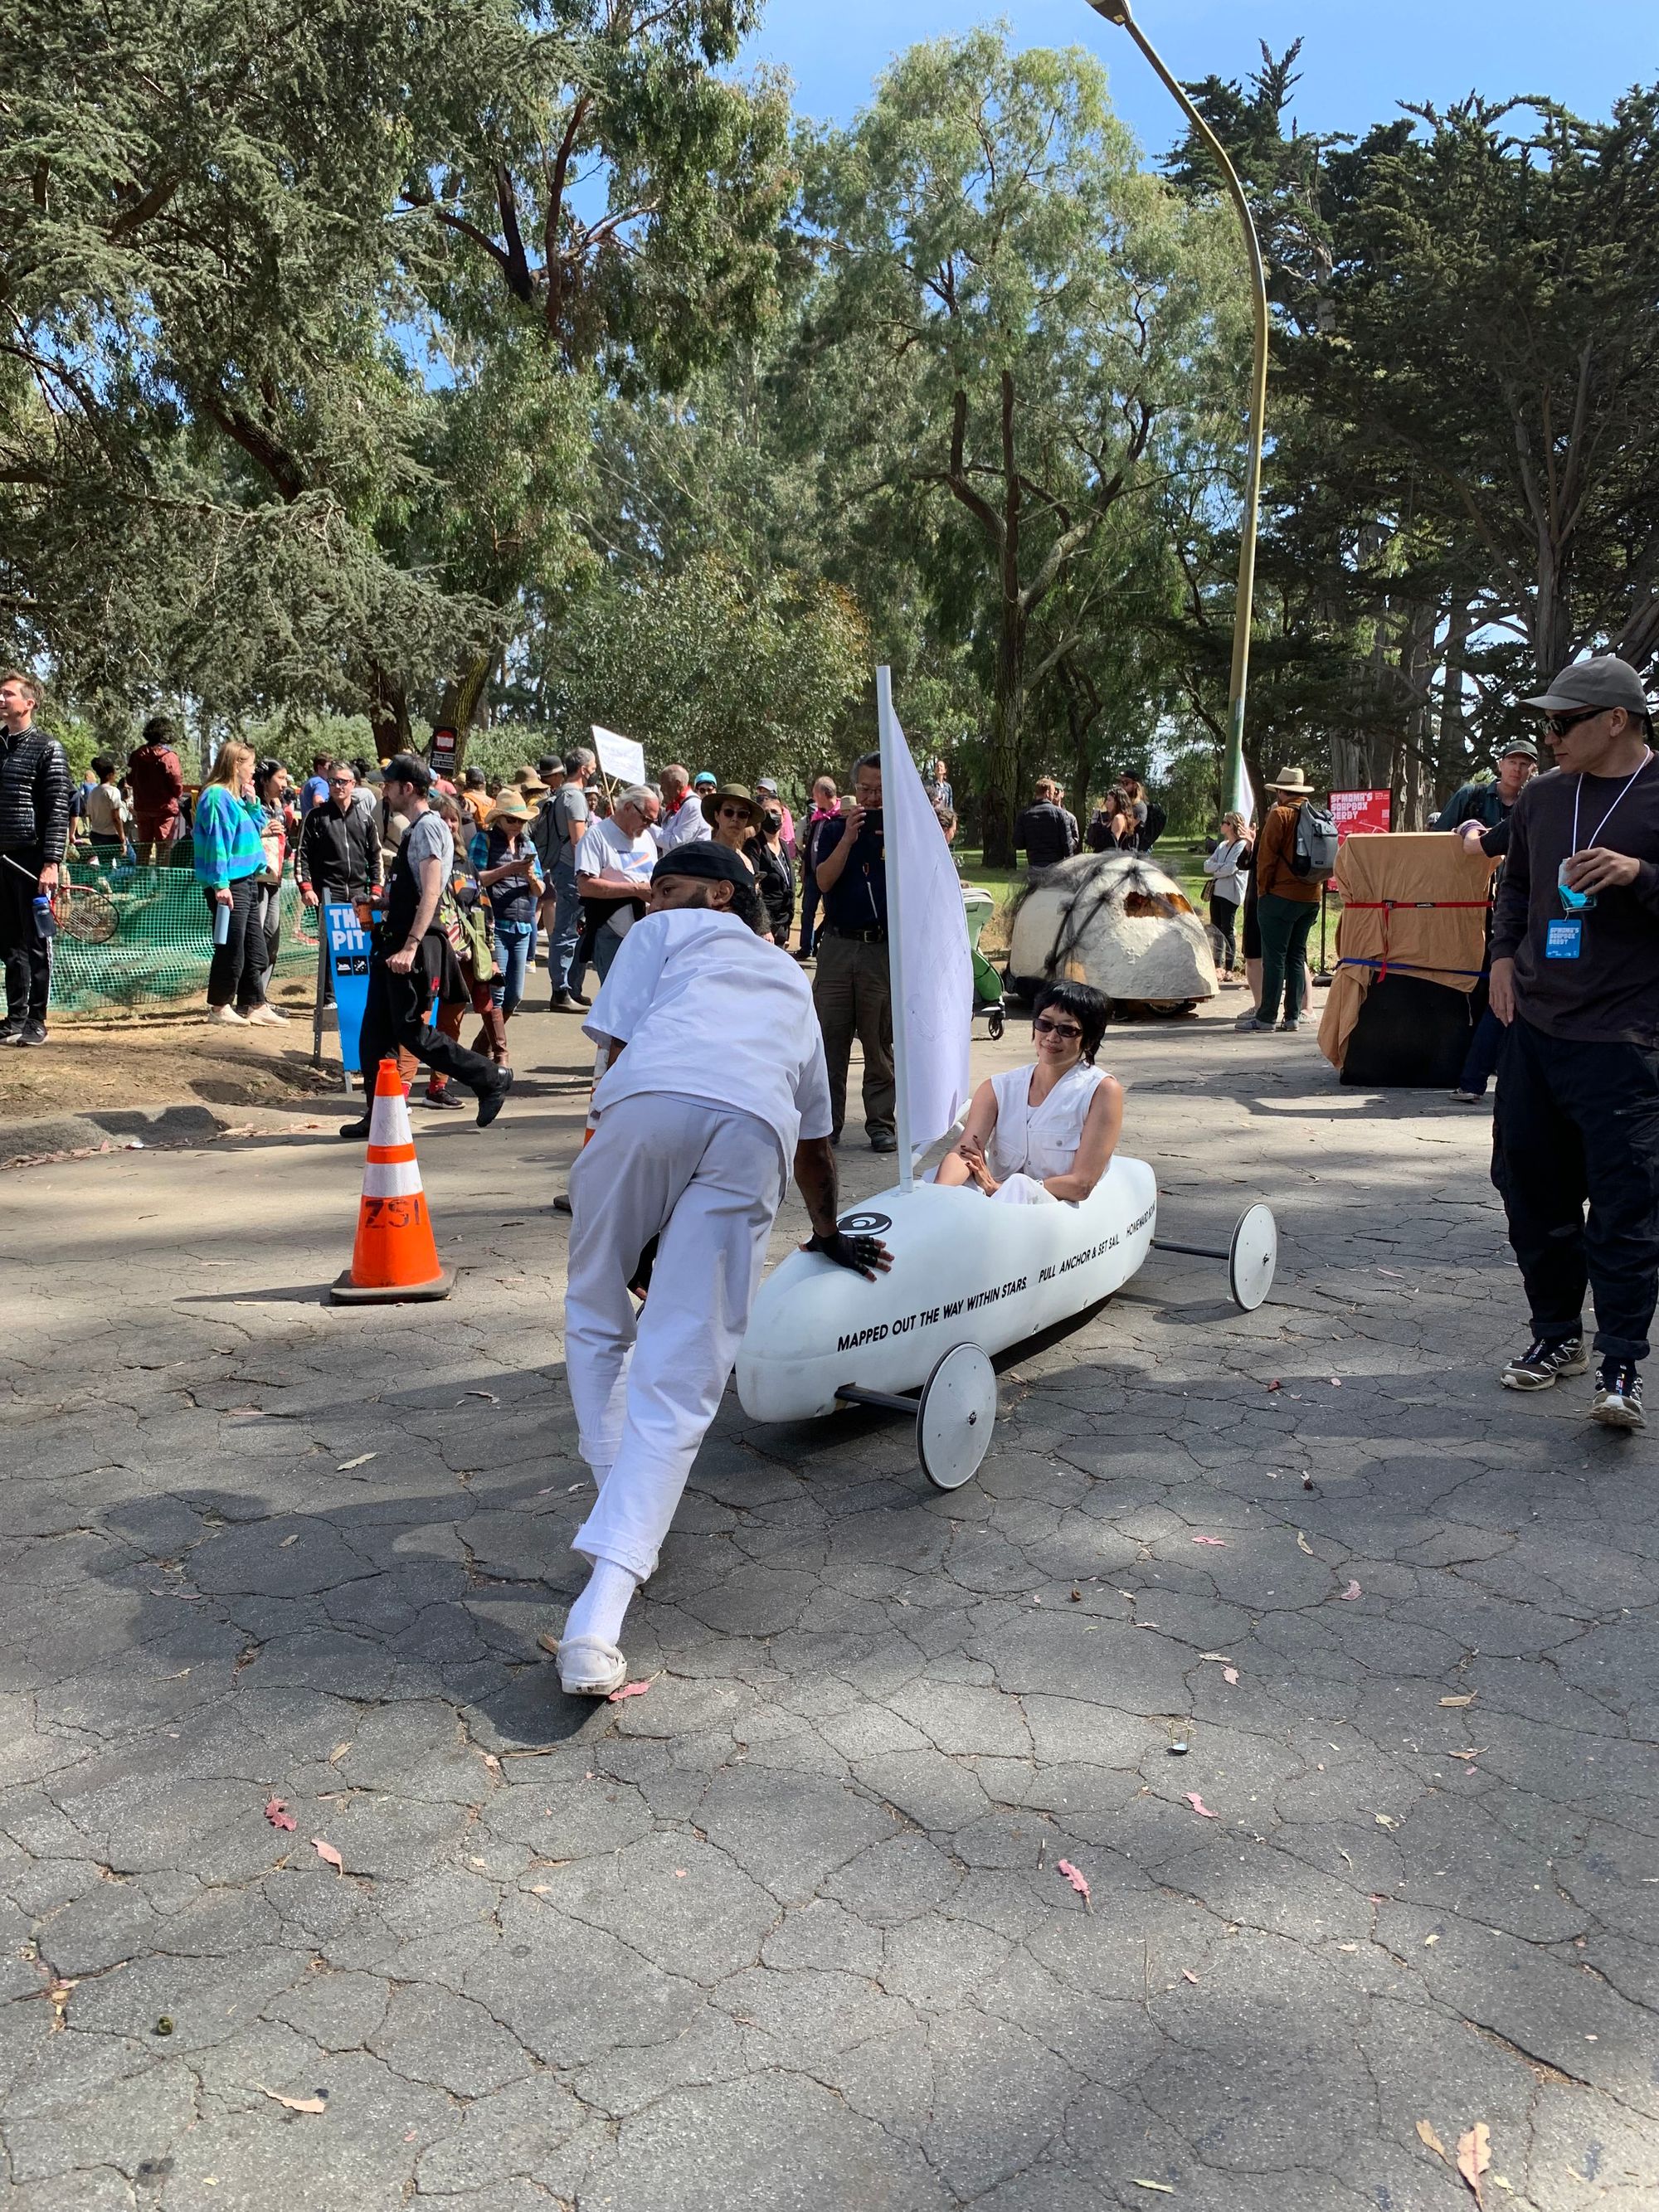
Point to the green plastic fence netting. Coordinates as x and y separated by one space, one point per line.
131 937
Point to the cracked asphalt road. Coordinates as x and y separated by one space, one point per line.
788 1930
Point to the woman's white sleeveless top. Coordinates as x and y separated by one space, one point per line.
1040 1140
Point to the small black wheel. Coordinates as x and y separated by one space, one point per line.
994 1026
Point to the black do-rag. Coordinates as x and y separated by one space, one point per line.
702 857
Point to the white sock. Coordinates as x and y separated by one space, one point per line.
603 1606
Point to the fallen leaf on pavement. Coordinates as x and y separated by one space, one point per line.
1394 1272
277 1813
1162 2187
1353 1590
1188 1975
1474 2156
627 1690
361 1459
1426 2134
338 1753
1200 1806
1078 1882
1275 1385
327 1853
1220 1540
1303 1545
292 2104
1335 1381
287 1540
1385 1819
1229 1675
1466 1700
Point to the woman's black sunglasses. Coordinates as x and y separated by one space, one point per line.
1056 1029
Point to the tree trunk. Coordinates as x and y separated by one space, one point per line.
999 802
1452 752
1411 781
388 713
462 699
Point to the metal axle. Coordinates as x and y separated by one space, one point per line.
851 1394
1193 1251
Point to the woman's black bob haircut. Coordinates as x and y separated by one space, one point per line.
1089 1008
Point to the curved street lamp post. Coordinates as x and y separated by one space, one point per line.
1233 782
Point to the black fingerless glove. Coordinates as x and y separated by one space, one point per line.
860 1254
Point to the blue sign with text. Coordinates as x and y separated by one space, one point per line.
348 944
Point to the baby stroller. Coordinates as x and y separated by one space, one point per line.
978 906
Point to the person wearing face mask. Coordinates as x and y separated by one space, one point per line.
1575 981
1045 1132
775 879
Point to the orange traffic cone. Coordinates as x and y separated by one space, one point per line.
394 1257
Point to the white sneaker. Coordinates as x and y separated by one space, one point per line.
228 1016
266 1015
589 1667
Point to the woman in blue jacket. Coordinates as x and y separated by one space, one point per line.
230 864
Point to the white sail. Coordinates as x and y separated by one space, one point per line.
929 961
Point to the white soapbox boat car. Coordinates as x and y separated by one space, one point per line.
969 1279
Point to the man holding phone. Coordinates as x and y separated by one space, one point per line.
1575 980
852 989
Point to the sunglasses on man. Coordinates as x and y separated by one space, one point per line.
1559 726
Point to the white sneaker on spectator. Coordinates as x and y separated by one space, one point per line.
227 1015
266 1014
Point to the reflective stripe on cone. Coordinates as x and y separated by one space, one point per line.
394 1256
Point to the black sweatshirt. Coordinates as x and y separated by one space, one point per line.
1610 993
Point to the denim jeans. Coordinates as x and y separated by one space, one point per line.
1485 1046
515 948
564 972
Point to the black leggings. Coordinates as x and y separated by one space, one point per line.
238 973
1223 912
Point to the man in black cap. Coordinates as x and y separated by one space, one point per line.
1575 979
715 1087
412 957
1488 803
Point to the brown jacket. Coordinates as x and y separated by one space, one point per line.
1274 876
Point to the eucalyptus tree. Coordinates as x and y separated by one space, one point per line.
1030 307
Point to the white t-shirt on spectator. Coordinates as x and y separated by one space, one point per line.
684 826
606 847
707 1010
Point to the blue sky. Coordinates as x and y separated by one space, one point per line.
1358 60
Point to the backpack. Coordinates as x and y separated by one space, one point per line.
1152 829
1313 853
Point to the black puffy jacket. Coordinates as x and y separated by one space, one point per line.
36 802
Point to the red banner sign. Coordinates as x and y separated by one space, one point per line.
1360 814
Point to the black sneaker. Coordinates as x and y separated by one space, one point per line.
883 1141
10 1031
1618 1401
444 1101
24 1033
355 1131
1542 1364
492 1102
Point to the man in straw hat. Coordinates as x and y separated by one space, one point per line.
715 1087
1286 904
1575 980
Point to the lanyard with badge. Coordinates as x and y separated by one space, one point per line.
1564 940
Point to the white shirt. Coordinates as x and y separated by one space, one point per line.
1040 1140
684 826
607 847
708 1010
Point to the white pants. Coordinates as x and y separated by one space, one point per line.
708 1182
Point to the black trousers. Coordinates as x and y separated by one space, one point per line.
396 1014
1223 912
1576 1123
238 973
28 955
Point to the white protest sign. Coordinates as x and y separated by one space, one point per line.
623 759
